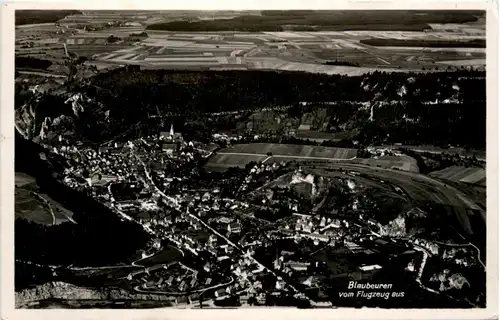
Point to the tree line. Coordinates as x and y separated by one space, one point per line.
413 117
42 16
276 20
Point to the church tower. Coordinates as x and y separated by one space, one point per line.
171 130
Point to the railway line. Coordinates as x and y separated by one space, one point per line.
417 187
413 183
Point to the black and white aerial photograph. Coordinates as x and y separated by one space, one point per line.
192 159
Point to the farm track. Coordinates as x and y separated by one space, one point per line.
290 151
42 74
285 156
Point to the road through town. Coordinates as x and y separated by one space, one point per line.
173 202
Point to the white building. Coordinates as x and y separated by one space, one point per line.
370 268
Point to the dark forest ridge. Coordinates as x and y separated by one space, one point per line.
42 16
324 20
477 43
133 97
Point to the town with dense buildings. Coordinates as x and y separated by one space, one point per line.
217 243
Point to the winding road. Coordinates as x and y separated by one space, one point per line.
138 289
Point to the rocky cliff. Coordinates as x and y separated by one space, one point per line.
66 291
44 117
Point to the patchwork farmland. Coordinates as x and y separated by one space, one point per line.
37 207
305 51
330 52
462 174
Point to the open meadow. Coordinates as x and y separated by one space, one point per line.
37 207
290 150
222 162
240 155
462 174
403 163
